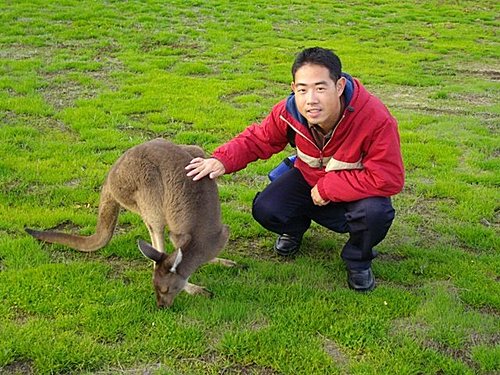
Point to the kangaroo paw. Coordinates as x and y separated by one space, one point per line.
195 289
224 262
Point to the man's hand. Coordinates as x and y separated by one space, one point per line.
317 200
199 168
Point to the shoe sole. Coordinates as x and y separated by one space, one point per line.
287 254
368 289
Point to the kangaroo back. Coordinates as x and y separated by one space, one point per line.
149 179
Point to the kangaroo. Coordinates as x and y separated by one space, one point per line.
150 179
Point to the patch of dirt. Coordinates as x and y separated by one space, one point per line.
11 186
149 369
489 73
172 127
391 257
427 210
461 354
476 98
247 370
398 96
20 51
42 124
487 310
61 91
464 354
427 206
73 183
20 315
24 367
58 95
122 228
53 123
8 117
259 324
419 99
446 111
232 97
66 226
323 244
64 95
208 360
434 110
260 249
119 266
229 368
415 329
420 332
335 353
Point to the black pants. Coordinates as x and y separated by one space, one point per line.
286 206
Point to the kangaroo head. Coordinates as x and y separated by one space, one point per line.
166 281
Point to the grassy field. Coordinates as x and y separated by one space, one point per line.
82 81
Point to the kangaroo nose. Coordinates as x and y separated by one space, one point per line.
164 303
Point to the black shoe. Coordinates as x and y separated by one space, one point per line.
287 244
361 280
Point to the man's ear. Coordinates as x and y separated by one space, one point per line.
292 86
341 82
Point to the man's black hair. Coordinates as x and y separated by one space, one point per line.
319 56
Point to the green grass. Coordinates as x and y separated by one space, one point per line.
82 81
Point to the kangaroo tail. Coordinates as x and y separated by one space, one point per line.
109 209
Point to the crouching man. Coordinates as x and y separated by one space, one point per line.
348 163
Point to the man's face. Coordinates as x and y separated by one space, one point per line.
317 96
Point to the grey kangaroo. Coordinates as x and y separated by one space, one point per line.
150 179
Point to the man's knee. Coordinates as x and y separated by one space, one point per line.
370 213
379 209
264 211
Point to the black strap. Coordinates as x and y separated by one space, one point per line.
290 134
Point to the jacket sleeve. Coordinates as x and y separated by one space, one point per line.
258 141
382 174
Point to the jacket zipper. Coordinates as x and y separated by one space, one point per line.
311 142
334 130
299 132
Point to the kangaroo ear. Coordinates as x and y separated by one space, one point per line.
150 252
177 260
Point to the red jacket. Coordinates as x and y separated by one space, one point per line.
362 159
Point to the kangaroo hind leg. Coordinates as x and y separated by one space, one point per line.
193 289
